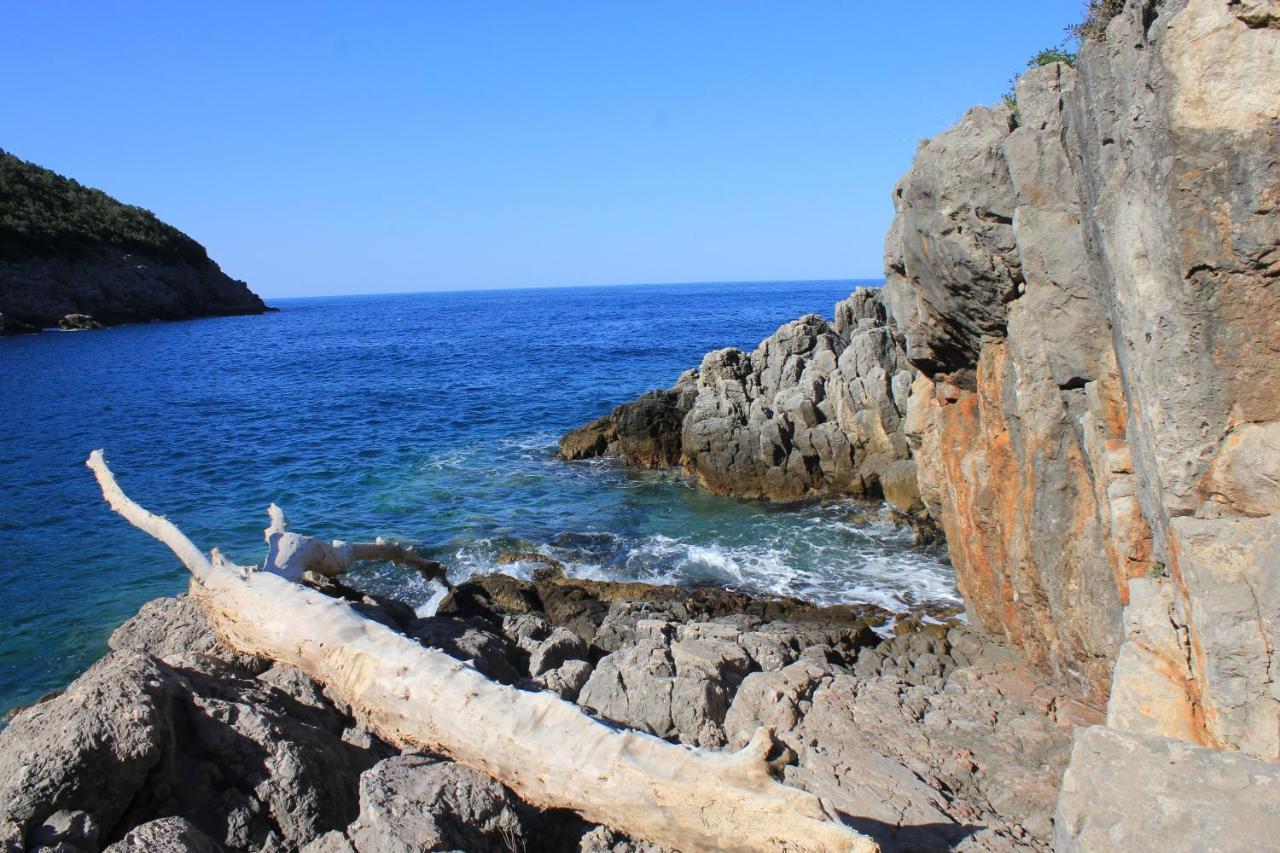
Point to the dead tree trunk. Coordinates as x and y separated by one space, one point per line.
543 748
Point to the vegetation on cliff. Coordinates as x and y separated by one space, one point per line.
45 214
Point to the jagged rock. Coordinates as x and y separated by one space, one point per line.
490 653
938 740
91 749
1127 792
560 645
411 803
950 262
566 680
678 680
165 835
173 628
644 433
251 761
817 409
601 839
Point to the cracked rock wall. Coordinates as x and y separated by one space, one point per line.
1092 296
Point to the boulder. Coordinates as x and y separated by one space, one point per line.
411 803
1126 792
165 835
78 323
253 756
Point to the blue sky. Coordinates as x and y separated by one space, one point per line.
375 147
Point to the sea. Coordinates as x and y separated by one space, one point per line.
430 418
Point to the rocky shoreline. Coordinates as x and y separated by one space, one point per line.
1070 371
932 738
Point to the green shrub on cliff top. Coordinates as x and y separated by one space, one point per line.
1098 13
43 214
1057 53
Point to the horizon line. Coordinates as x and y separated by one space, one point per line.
856 281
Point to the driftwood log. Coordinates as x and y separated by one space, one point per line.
545 749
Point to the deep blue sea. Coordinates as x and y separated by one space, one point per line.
430 418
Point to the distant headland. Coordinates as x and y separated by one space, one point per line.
74 257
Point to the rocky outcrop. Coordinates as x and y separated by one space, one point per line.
78 323
934 739
644 433
1090 294
818 409
68 252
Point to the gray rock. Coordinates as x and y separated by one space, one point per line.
1090 293
1126 792
490 653
924 753
601 839
566 680
74 830
673 681
252 762
411 803
165 835
171 628
91 749
560 645
78 323
818 408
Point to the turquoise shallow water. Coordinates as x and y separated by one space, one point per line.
426 417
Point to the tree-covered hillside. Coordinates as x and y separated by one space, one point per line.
44 214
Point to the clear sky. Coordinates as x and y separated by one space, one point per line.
319 148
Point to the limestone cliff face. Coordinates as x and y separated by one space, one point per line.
817 409
1092 297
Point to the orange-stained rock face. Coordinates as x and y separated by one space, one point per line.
1026 508
1093 291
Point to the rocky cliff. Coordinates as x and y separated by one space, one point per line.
818 408
1091 294
76 257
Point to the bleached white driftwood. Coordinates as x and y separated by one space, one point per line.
543 748
290 554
